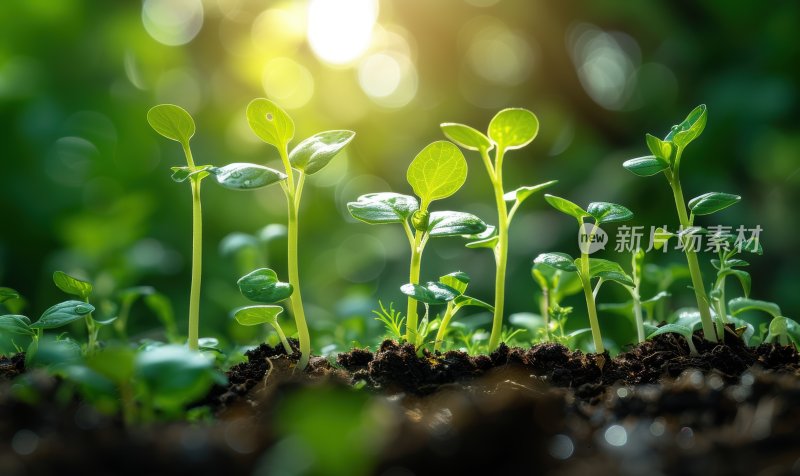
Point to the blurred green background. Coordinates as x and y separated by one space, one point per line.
85 183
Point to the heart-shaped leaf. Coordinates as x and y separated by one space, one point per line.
690 129
242 176
565 206
561 261
314 153
8 293
513 128
458 280
740 305
662 150
62 314
608 271
255 315
604 212
466 136
181 174
270 123
172 122
15 324
646 166
263 285
430 293
437 172
519 195
386 207
464 301
73 286
712 202
449 223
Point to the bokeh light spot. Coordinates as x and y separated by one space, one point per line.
288 82
340 31
172 22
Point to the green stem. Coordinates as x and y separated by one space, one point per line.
197 264
594 323
544 308
448 314
293 205
501 248
694 265
282 336
413 277
637 313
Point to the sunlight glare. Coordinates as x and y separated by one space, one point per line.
340 31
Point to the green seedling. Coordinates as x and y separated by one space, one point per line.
666 158
81 289
258 315
684 322
437 172
392 320
555 285
274 126
781 329
176 124
509 129
728 265
449 290
589 268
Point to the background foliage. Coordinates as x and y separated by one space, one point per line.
85 183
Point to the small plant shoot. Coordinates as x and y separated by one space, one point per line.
437 172
509 129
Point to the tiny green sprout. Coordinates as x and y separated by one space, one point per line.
275 127
589 268
555 285
82 289
257 315
437 172
781 328
449 290
392 320
666 157
509 129
728 265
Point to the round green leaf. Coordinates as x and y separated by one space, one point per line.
458 280
15 324
255 315
314 153
62 314
430 293
604 212
646 166
270 123
172 122
174 375
513 128
690 129
437 172
262 285
242 176
712 202
449 223
608 271
379 208
565 206
466 136
561 261
70 285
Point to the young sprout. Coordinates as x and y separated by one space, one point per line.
176 124
83 290
589 268
274 126
437 172
666 158
392 320
509 129
727 265
448 290
677 328
555 286
257 315
781 328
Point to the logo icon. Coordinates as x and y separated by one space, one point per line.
591 238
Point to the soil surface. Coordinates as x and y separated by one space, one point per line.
654 409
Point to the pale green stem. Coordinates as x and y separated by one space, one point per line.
691 259
282 336
448 314
197 265
413 277
544 308
293 205
91 330
637 301
588 293
501 248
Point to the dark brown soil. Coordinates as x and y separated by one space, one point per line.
655 409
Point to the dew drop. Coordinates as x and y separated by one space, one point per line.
269 116
616 435
247 183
